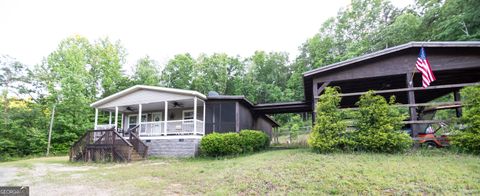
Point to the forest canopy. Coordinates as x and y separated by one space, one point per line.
80 71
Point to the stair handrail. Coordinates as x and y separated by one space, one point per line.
137 143
80 145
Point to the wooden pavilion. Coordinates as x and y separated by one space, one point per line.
390 72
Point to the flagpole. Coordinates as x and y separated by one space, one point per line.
413 74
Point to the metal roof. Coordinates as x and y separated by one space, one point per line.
145 87
392 50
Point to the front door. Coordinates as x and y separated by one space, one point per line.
156 125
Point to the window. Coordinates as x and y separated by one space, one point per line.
133 118
188 115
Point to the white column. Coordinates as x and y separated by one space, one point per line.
204 109
165 119
195 116
110 118
116 117
139 119
121 121
96 119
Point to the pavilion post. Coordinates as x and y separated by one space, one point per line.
413 109
317 90
456 97
314 94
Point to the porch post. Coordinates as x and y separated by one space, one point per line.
121 121
110 118
165 119
116 117
204 109
96 119
139 119
194 115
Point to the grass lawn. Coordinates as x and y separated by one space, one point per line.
296 171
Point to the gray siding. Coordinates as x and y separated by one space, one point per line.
175 147
264 125
143 97
245 117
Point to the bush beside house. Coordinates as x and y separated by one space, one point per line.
222 144
329 132
378 126
468 139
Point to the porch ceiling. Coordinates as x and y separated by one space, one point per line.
156 106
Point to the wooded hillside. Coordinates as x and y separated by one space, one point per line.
80 71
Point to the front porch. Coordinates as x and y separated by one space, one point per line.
184 117
166 121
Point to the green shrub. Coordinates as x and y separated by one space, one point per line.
379 126
329 133
466 142
221 144
253 140
468 139
217 144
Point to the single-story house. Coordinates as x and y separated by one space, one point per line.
171 122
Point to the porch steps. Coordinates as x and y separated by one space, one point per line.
108 145
135 156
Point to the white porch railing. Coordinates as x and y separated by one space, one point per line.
103 127
174 127
151 129
96 135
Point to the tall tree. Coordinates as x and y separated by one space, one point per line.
268 75
450 19
147 72
106 60
179 72
12 73
353 32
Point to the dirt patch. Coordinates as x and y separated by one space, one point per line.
174 189
7 174
71 190
31 175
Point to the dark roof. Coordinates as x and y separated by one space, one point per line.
392 50
242 99
457 62
232 97
284 107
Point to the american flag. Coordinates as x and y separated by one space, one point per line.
424 66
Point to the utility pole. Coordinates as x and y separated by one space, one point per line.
50 129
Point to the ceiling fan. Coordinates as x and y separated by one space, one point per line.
129 109
177 105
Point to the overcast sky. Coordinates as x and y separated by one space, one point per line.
31 29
